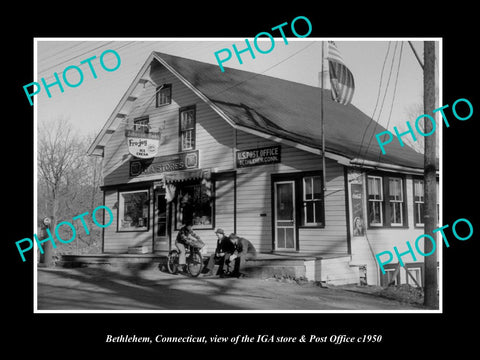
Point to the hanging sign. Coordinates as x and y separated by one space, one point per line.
141 144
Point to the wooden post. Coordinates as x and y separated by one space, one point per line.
322 122
430 178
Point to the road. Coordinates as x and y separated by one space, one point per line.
109 288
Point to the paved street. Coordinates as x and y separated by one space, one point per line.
110 288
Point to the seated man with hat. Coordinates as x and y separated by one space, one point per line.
223 250
244 249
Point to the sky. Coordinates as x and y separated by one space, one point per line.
89 105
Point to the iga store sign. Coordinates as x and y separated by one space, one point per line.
143 145
167 163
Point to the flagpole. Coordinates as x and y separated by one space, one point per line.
322 123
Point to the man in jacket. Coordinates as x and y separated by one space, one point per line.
223 250
184 238
244 250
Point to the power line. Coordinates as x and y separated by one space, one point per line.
73 58
148 101
264 71
52 77
384 97
394 90
416 55
376 102
63 50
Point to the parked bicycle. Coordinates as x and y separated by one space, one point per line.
194 260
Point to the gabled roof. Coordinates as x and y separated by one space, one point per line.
280 110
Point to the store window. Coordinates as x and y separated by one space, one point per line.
313 210
133 210
386 201
141 124
195 204
164 95
187 128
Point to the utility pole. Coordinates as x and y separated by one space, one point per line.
430 177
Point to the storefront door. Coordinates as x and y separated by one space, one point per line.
160 222
284 217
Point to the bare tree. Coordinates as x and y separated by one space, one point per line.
56 157
413 112
67 178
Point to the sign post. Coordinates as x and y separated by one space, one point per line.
47 257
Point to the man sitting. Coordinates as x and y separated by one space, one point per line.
244 250
223 250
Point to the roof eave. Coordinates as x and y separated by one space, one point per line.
376 165
126 97
96 148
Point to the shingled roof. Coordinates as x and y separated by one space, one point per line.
291 110
288 110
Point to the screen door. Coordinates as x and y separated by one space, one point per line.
284 198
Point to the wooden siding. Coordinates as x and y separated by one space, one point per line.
225 205
119 242
213 135
215 142
254 199
384 239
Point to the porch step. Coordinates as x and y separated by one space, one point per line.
266 266
269 271
337 271
142 261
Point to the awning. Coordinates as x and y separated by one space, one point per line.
184 175
170 180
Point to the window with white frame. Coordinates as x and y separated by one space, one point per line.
386 201
313 212
416 273
391 276
375 201
395 195
141 124
164 95
418 201
187 128
133 210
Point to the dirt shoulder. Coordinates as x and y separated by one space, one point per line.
109 288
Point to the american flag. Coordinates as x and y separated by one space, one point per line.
341 79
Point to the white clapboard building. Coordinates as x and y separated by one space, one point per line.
242 152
